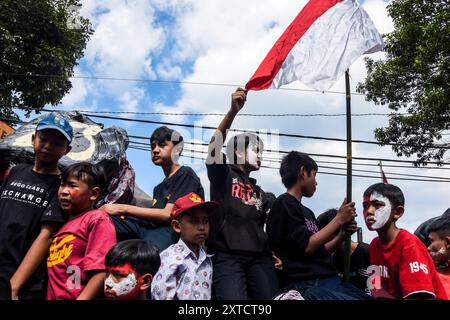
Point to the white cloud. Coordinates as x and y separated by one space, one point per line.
168 72
124 39
78 92
130 99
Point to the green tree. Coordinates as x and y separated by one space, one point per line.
415 77
38 38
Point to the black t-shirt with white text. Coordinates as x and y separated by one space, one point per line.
289 226
28 200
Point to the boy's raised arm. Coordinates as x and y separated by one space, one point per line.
238 99
37 252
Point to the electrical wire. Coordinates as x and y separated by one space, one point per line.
321 172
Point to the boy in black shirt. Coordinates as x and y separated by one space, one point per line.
153 224
242 263
296 240
30 211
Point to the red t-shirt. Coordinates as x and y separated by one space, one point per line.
405 268
445 279
79 246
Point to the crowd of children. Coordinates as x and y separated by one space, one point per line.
55 244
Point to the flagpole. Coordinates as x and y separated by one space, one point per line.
347 244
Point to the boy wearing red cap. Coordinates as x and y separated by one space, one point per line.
186 270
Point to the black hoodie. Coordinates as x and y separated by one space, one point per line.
237 225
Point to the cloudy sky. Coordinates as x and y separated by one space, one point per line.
223 42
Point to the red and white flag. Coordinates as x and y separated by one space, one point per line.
325 38
383 176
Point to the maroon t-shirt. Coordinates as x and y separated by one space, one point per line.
79 246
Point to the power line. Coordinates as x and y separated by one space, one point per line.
321 172
288 135
269 159
318 154
215 84
326 167
202 114
285 152
338 168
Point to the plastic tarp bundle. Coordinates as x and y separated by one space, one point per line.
104 147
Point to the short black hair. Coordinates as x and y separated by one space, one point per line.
441 226
239 140
291 165
325 218
140 254
92 175
163 134
390 191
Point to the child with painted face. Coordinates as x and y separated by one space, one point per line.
76 262
401 267
439 249
186 269
243 265
130 266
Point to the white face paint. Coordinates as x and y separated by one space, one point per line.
252 155
123 287
382 214
439 257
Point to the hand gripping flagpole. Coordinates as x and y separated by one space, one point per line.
347 243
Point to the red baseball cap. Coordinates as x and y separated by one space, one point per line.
190 201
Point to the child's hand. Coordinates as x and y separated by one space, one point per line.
350 227
113 209
238 99
278 262
347 212
14 295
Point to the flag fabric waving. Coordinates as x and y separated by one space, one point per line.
325 38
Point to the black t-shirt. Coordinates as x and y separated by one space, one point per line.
359 262
28 200
237 224
289 226
183 182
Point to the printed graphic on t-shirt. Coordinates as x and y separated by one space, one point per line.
60 250
27 193
246 193
311 225
182 275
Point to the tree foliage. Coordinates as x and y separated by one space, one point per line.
415 77
40 44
